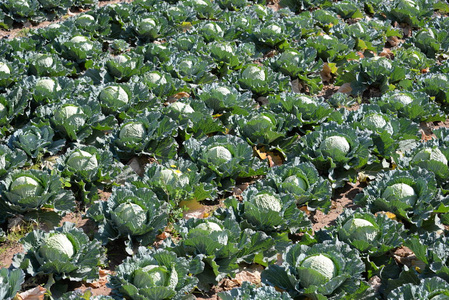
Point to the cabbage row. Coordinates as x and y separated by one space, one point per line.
166 103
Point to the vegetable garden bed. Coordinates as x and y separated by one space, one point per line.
233 149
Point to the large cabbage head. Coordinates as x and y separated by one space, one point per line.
129 217
359 229
153 276
293 182
26 186
428 154
82 160
402 192
218 155
316 270
114 96
335 146
132 132
267 202
56 246
70 114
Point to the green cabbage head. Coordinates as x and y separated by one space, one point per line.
316 270
56 246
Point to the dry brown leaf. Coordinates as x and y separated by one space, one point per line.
326 73
345 88
261 153
36 293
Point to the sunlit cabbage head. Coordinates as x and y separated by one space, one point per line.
209 227
82 160
83 42
291 183
182 107
171 176
4 69
428 154
70 114
151 276
254 73
129 217
132 132
267 202
218 155
334 146
26 186
55 247
114 96
359 229
85 20
402 192
316 270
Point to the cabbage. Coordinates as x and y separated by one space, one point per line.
85 21
316 270
427 154
26 186
401 98
134 131
267 201
3 111
294 182
45 87
374 121
254 73
114 96
335 146
4 69
82 160
56 246
129 217
182 107
82 42
360 229
43 60
170 176
209 227
150 276
211 29
71 114
155 78
402 192
218 155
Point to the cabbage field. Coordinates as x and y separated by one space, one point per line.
224 149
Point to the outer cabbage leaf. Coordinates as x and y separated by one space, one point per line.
11 282
250 291
11 159
428 288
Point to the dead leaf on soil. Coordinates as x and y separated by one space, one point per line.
36 293
102 281
345 88
326 73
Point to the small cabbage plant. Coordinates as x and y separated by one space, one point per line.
252 291
373 235
428 288
132 213
410 194
264 210
156 274
34 192
325 270
177 181
301 182
63 253
338 150
225 157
